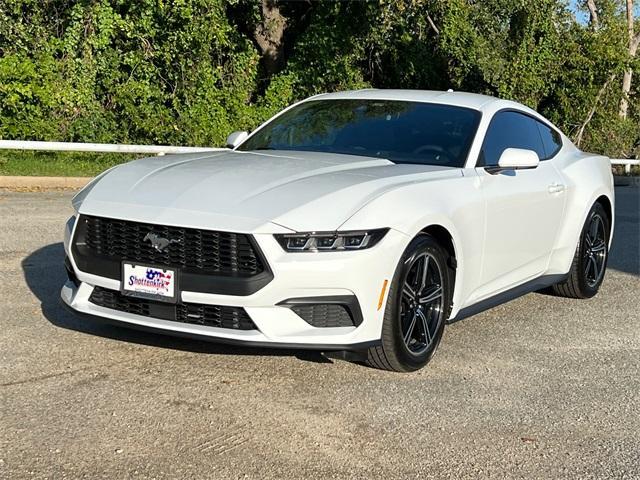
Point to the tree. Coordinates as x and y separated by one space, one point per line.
594 19
634 42
191 71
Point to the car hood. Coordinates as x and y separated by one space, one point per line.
247 191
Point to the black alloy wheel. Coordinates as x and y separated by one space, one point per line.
590 259
595 251
418 305
421 303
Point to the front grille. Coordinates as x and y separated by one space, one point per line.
234 318
206 251
208 261
324 315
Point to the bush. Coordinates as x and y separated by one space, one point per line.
191 71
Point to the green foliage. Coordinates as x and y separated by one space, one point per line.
119 71
515 48
191 71
58 164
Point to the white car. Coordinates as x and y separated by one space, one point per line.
357 221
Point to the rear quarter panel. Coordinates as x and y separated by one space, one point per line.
587 177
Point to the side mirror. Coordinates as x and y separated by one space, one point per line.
236 138
518 158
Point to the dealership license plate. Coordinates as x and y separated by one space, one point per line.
149 282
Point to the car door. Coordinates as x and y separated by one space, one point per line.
524 208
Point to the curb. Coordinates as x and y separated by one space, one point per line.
43 183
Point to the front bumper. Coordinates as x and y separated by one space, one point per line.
359 274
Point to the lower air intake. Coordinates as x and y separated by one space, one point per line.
234 318
323 315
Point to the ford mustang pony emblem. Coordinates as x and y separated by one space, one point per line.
158 242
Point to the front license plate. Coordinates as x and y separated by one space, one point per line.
149 282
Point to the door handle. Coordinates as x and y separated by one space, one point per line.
556 188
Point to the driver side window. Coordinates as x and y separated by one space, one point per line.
509 130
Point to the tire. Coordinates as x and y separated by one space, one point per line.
419 313
590 260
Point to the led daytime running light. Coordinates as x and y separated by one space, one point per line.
330 241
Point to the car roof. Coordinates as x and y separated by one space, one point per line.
461 99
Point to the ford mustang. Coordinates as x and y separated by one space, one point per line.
360 221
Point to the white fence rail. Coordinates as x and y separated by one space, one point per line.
100 147
627 163
154 149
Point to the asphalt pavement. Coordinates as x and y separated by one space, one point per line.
541 387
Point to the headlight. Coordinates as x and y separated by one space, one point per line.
330 241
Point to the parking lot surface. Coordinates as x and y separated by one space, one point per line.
541 387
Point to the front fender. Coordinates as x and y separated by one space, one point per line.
455 204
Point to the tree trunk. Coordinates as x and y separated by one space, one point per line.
594 106
269 35
593 14
634 41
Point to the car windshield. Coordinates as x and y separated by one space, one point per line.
399 131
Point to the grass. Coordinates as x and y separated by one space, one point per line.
59 164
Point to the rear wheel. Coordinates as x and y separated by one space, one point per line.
590 260
417 307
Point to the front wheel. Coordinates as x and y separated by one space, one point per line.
590 259
417 308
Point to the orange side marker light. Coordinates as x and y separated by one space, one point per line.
382 292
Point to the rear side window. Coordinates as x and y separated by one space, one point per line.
510 130
551 140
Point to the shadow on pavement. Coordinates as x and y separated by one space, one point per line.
625 250
44 273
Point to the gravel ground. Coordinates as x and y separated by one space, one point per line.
541 387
